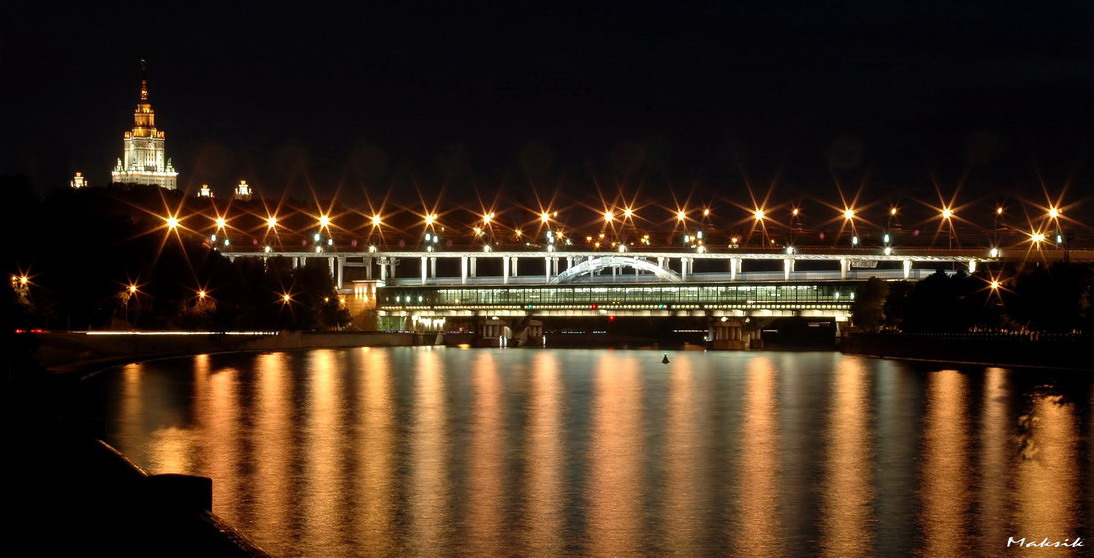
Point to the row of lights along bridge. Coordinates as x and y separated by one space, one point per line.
618 229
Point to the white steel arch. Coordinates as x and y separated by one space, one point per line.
590 266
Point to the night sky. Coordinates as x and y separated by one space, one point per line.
985 97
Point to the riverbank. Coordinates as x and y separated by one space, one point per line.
1031 351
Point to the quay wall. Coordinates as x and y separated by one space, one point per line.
1024 350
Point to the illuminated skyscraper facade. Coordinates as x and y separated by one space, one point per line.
144 160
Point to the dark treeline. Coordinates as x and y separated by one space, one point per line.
1030 296
80 251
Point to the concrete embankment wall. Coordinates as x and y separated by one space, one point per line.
63 351
1032 351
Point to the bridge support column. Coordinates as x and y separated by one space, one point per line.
844 265
339 278
295 262
547 270
383 269
788 268
433 267
684 269
463 270
972 266
515 260
569 262
734 268
907 268
330 265
368 268
505 270
661 262
474 263
554 262
425 268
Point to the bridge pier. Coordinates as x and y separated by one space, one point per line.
425 268
730 334
340 275
463 270
734 268
505 270
684 268
547 269
368 267
433 267
844 266
907 264
788 268
474 266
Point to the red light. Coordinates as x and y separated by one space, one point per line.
611 318
593 306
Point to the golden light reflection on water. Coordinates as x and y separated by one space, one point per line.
687 468
944 474
273 455
377 484
486 460
323 474
217 411
758 483
996 452
848 493
544 490
616 453
1048 475
429 493
403 452
131 433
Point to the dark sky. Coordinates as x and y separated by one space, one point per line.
987 95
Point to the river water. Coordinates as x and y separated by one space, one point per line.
489 452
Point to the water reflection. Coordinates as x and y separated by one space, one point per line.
323 475
848 487
377 484
758 487
945 474
271 488
616 453
429 447
1048 474
428 452
544 490
996 453
486 461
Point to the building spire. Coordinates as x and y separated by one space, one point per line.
144 80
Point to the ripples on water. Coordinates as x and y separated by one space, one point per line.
431 451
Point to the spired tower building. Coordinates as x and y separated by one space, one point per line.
144 160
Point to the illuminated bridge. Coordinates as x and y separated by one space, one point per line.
509 293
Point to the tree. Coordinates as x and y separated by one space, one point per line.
867 311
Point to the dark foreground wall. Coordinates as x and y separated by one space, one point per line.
1049 351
